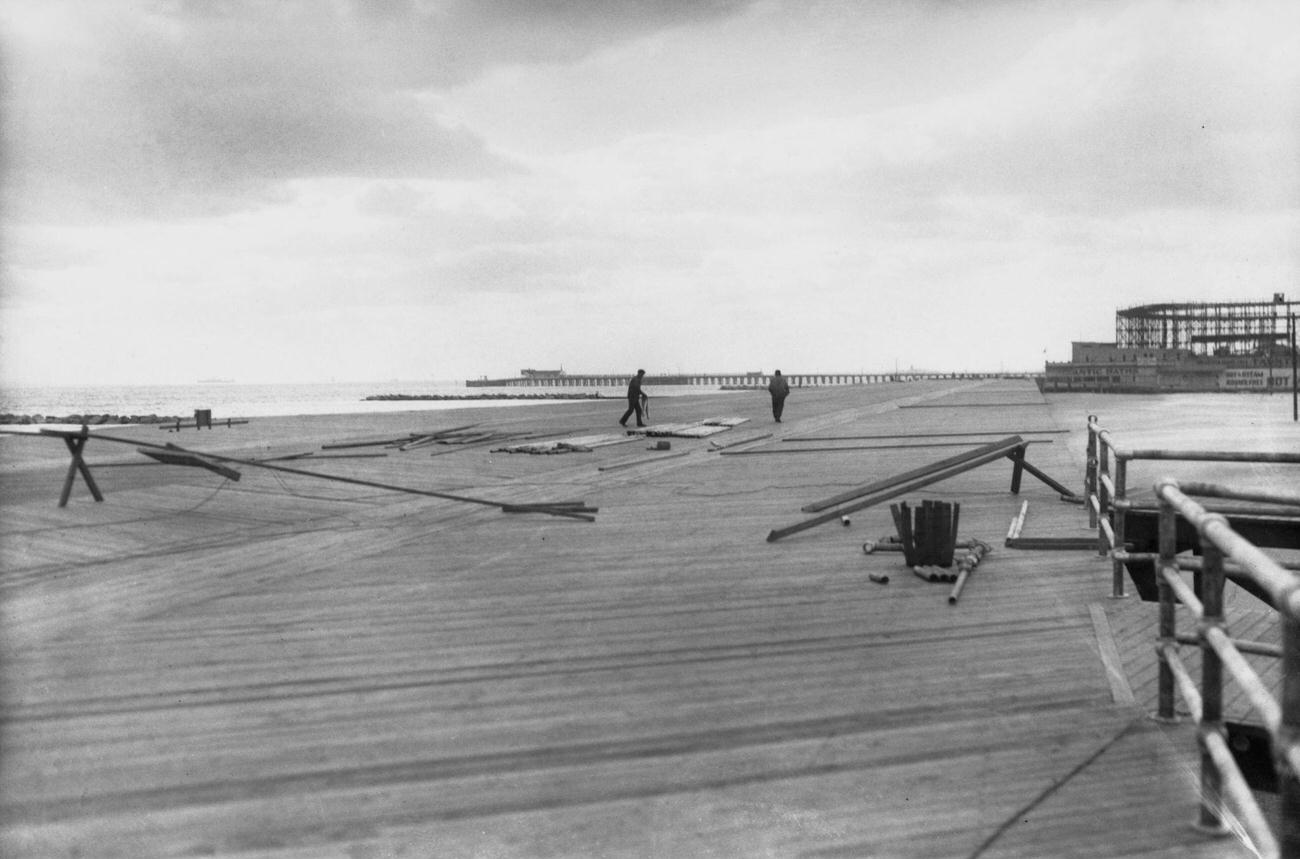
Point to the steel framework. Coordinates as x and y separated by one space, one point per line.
1208 328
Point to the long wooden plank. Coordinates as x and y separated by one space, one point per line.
893 491
450 496
176 457
1001 447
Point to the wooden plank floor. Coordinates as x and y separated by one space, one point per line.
286 667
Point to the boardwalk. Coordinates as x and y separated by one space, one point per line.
286 667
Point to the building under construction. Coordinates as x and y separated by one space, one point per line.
1207 346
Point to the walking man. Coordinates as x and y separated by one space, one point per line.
635 399
779 388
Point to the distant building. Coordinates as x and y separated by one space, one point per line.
1243 346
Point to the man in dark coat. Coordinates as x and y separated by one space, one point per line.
634 400
779 388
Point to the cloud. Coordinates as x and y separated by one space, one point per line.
195 108
167 116
727 176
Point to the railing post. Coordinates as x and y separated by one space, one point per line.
1103 470
1211 817
1288 780
1168 527
1090 472
1121 512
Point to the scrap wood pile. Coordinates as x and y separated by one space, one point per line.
1012 448
926 536
571 444
171 454
691 429
587 443
459 437
927 539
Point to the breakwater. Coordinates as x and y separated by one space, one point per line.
88 420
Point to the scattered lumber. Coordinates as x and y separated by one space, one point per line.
1018 522
892 487
846 448
615 466
722 445
973 457
177 456
692 429
391 441
545 507
572 444
552 510
1012 447
918 435
973 405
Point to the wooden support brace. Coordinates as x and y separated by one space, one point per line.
183 457
1041 475
932 476
1018 457
973 457
76 444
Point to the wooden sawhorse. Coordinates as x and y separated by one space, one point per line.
76 442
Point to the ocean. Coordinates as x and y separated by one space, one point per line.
236 400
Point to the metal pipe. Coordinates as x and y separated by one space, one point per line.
1258 694
968 564
1214 528
1090 470
1256 648
1104 487
1287 746
1119 494
1165 581
1186 685
1216 490
1214 456
1233 787
1181 590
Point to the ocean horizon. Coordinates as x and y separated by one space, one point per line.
240 400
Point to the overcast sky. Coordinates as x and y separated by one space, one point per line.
361 190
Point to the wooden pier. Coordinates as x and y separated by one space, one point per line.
289 667
755 379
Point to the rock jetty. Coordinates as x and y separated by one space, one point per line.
89 420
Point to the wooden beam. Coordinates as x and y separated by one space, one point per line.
76 443
352 480
892 491
179 457
1037 472
1000 448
